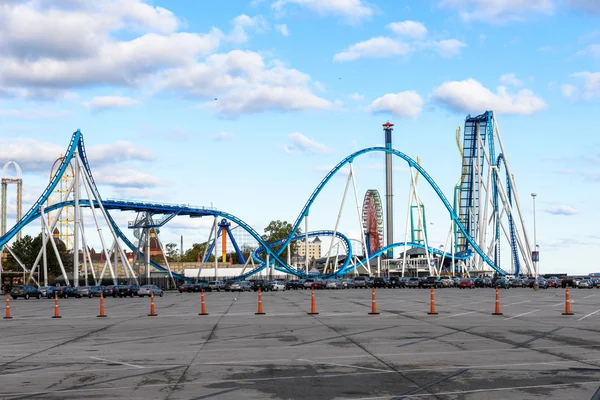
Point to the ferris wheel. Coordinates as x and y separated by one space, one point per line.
372 216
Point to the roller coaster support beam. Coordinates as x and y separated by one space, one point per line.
77 216
305 242
527 260
421 219
337 223
362 231
44 252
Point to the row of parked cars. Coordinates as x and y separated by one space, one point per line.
388 282
64 292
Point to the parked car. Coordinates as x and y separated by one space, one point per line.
413 283
84 291
502 283
379 282
187 287
240 286
276 285
216 285
147 290
44 290
466 283
361 282
25 291
294 284
65 292
260 283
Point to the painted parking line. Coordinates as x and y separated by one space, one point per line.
345 365
520 315
589 315
118 362
456 315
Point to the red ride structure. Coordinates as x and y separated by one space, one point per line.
372 216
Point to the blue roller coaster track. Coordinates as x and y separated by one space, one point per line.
77 145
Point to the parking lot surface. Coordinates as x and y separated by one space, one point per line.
463 352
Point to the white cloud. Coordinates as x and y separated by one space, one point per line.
377 47
125 177
590 89
511 79
412 29
593 50
41 59
241 82
303 144
406 104
32 113
498 11
472 97
446 48
35 155
352 10
568 90
223 136
242 23
562 210
108 102
320 86
283 29
592 6
545 49
356 96
383 46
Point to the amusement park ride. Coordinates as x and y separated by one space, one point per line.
485 214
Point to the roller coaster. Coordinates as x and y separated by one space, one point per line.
478 204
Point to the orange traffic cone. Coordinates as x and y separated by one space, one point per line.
567 303
432 307
497 311
313 305
7 308
203 310
56 315
373 303
152 313
260 310
101 306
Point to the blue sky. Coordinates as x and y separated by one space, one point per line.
246 105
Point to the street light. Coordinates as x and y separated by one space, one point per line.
535 254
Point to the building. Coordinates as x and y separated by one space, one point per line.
314 249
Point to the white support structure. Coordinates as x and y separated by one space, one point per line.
421 219
337 224
367 263
306 243
77 216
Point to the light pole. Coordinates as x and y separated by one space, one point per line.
534 255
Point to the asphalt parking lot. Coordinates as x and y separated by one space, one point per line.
464 352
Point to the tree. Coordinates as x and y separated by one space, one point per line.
172 252
195 253
277 231
27 250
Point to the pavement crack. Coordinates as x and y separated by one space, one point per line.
208 338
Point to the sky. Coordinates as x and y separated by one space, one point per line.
245 105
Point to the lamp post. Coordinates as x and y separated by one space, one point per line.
535 254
